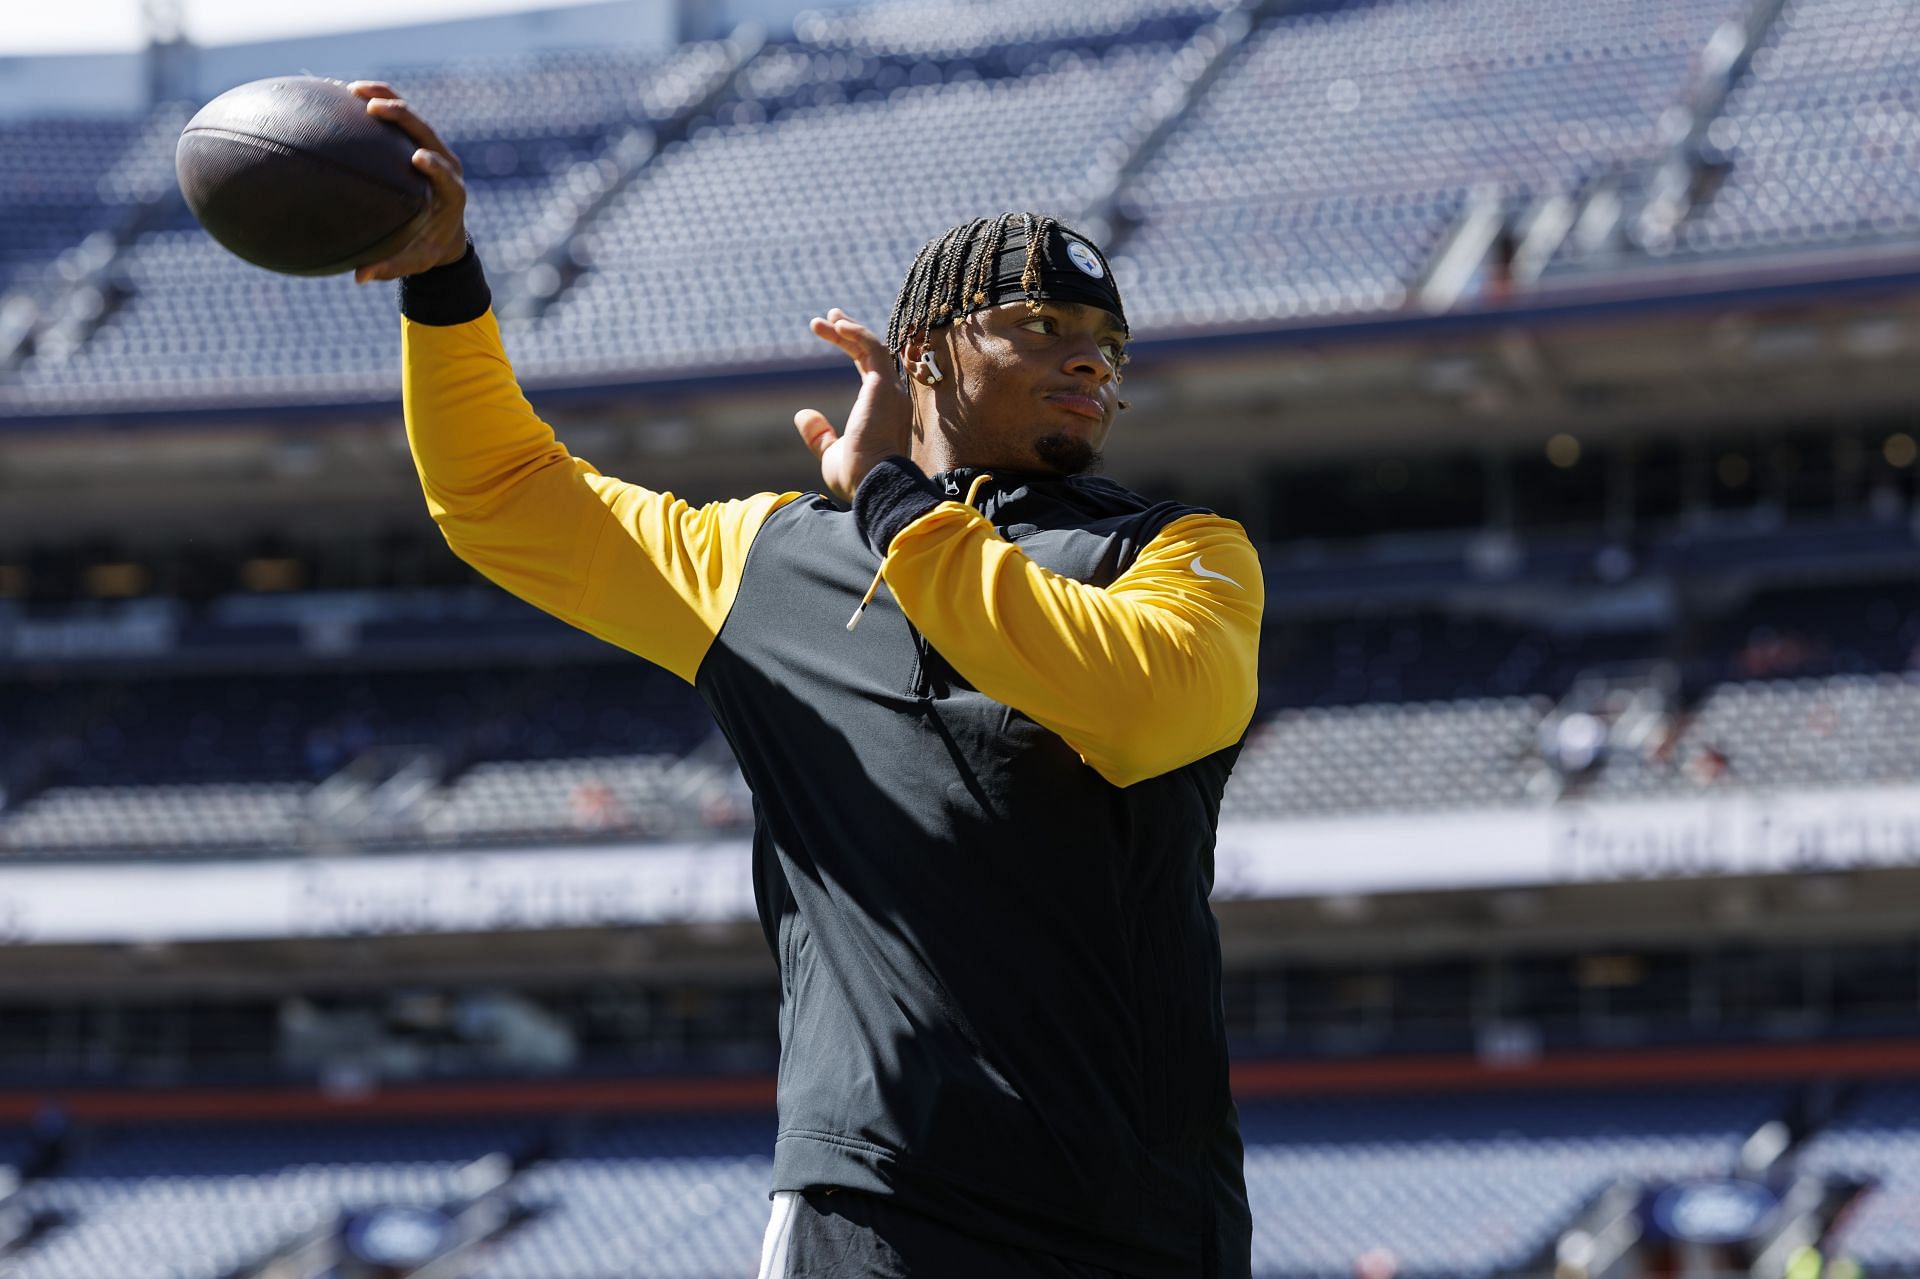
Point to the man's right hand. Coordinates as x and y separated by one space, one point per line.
443 237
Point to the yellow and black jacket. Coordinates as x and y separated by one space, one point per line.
985 818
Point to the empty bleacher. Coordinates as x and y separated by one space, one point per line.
54 191
637 796
1401 712
1467 1186
1303 762
793 201
198 323
1467 754
206 818
1319 174
173 1201
1818 138
237 763
643 216
676 1198
1454 1186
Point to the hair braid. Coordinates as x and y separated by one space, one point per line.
928 307
911 302
983 261
953 251
1039 229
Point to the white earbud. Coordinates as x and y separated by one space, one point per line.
928 369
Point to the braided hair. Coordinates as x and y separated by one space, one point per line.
953 274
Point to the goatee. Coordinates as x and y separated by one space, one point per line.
1066 454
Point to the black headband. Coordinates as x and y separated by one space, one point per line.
1071 269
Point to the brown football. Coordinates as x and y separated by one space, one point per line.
292 174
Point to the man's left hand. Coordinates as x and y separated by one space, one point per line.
880 424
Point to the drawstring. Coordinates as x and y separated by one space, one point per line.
864 601
973 491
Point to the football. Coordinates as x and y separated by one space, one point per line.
293 175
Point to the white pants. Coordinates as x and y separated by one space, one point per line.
773 1249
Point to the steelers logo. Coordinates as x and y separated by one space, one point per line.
1086 259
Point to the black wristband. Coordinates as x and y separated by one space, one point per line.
450 294
893 495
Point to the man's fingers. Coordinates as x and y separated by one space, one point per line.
396 111
371 89
854 339
830 331
815 431
859 341
848 327
839 322
437 167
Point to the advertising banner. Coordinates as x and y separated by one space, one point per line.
559 887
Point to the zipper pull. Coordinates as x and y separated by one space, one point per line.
953 486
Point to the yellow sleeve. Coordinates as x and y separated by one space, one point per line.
1143 676
637 568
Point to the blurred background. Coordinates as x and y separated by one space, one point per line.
1562 356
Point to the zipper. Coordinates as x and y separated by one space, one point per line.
920 686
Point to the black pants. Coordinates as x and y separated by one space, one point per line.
842 1234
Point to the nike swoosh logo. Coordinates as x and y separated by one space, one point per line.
1198 571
